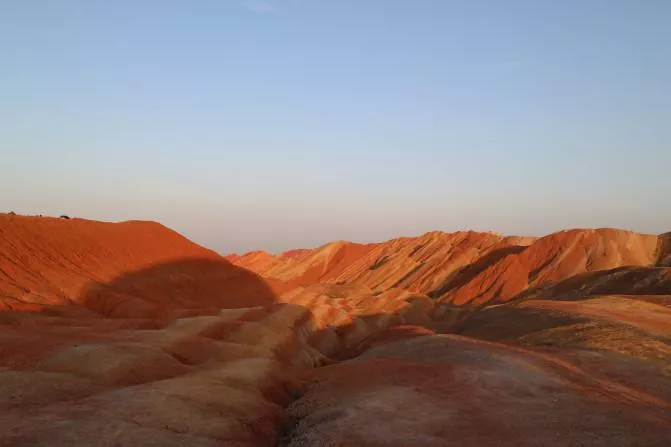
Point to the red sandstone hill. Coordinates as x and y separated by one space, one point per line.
126 269
128 334
465 267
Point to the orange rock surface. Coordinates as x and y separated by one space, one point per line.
464 267
127 334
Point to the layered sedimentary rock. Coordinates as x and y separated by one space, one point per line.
128 334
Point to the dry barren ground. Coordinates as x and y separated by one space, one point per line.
130 335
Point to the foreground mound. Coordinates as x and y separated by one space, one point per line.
441 390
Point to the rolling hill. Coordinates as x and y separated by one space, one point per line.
125 334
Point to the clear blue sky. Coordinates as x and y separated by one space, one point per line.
287 123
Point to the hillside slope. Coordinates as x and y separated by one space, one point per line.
465 267
125 269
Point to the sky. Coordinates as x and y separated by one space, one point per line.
253 124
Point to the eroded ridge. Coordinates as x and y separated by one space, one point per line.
128 334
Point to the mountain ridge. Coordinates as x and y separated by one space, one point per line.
462 267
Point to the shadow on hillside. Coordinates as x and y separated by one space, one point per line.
465 275
625 280
507 324
199 287
184 287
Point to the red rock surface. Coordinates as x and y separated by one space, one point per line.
127 269
441 390
129 334
465 267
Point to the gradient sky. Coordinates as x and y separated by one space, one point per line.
289 123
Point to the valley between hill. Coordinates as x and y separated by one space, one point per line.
129 334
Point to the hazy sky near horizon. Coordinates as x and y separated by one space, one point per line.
273 124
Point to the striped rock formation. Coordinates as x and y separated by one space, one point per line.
128 334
